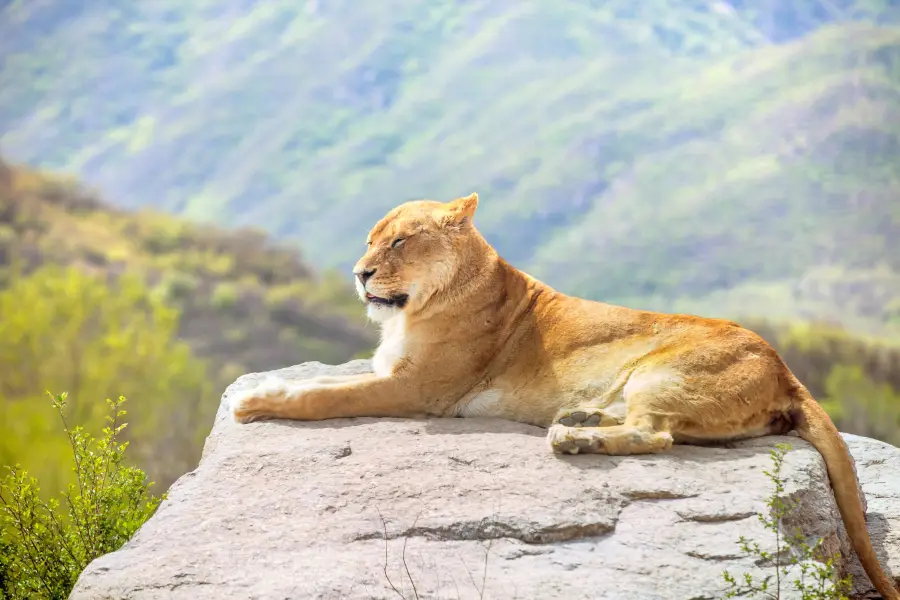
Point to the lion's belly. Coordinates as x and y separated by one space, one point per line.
530 406
534 391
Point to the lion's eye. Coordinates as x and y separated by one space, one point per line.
398 242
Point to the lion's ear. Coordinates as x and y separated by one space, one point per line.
460 211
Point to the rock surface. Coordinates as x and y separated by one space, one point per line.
282 510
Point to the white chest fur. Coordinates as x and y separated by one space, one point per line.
392 347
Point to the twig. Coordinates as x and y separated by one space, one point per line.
60 530
403 556
487 553
386 576
468 572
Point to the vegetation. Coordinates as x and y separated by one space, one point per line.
795 561
710 157
45 544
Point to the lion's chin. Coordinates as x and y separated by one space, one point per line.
380 313
381 309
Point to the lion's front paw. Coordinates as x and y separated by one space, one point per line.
248 407
260 401
275 398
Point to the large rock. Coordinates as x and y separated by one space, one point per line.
299 510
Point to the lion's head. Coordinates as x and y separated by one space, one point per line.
413 253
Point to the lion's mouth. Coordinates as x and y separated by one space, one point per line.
398 300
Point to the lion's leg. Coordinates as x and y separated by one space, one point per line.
364 396
332 379
722 399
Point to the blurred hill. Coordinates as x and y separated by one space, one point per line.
99 302
723 157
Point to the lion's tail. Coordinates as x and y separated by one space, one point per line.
813 425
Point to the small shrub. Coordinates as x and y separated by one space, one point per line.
818 578
225 296
165 237
178 286
44 545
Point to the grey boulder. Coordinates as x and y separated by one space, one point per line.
471 508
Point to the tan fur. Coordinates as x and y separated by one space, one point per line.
477 337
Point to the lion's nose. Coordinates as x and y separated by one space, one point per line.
365 275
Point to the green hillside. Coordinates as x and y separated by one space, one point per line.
790 175
721 157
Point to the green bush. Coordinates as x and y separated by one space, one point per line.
225 296
178 286
856 403
45 544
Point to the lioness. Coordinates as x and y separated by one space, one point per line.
465 334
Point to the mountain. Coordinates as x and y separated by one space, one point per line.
724 157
